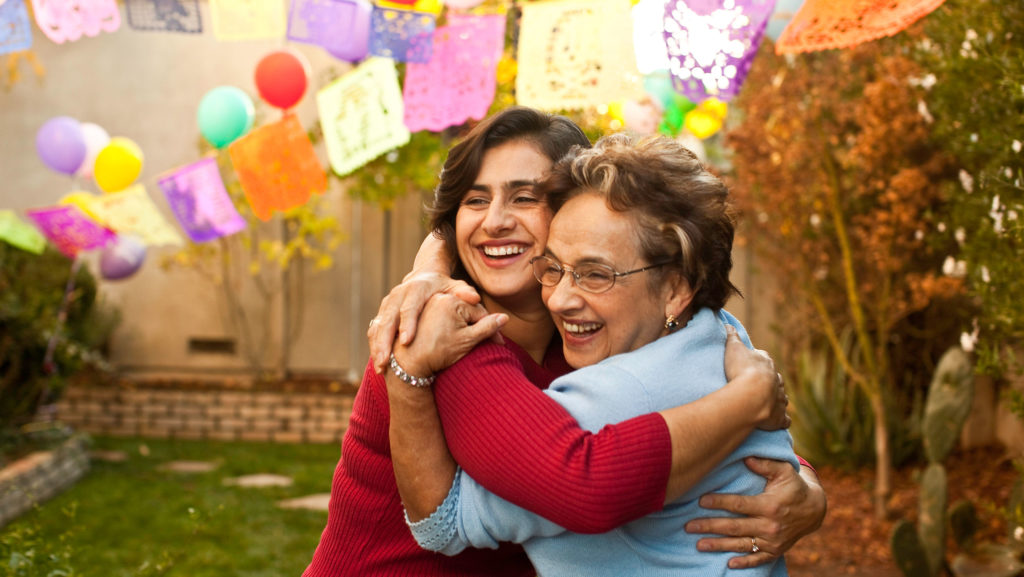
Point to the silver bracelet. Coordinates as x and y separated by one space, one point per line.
409 379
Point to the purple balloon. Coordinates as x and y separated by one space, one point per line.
350 40
61 144
121 258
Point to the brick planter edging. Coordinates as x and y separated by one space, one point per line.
40 476
215 415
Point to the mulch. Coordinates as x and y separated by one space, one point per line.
853 542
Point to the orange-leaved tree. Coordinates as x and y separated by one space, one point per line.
840 190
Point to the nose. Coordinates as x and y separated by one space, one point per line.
564 297
499 219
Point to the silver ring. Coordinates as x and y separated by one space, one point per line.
753 545
373 320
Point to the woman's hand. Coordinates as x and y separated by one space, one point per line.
791 506
754 365
400 311
448 329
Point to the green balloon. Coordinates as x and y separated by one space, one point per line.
225 114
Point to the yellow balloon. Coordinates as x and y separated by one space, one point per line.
615 110
701 123
83 200
118 165
715 107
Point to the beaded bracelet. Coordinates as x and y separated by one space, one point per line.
409 379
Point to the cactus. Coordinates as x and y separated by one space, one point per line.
922 552
964 522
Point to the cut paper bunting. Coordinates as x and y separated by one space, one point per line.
712 43
181 16
69 229
277 167
565 57
824 24
248 19
67 20
402 35
200 202
132 211
321 22
15 28
649 36
17 233
361 115
459 81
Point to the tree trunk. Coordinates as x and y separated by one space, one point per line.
883 458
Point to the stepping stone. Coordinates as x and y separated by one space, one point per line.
189 466
317 502
109 456
259 480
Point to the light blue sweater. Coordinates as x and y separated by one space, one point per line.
671 371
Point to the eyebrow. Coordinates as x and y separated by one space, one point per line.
509 185
586 260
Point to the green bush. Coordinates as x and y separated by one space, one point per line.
31 292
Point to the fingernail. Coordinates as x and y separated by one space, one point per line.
701 546
707 502
404 337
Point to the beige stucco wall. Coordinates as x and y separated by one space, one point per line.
147 86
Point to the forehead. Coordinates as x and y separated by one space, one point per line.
512 161
586 229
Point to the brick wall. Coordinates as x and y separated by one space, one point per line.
41 476
216 415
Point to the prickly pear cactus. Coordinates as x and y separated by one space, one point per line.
931 520
907 550
949 403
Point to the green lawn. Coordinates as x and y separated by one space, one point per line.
132 519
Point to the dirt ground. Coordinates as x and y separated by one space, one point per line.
852 542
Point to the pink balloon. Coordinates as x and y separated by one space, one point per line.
96 139
462 4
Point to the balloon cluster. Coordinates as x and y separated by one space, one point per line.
226 113
86 150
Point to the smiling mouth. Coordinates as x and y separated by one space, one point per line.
503 251
581 329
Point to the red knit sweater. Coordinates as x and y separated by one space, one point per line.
512 438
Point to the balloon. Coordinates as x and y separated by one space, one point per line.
61 145
83 200
95 140
462 4
672 121
281 78
122 258
225 114
353 43
702 123
118 165
641 117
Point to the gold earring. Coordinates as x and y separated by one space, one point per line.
671 323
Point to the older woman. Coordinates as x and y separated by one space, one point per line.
509 435
635 274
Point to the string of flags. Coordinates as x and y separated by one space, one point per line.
653 65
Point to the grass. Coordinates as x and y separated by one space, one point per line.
133 519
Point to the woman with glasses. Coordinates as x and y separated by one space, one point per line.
635 274
504 429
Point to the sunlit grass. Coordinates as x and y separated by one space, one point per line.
131 518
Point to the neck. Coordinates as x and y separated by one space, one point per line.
529 324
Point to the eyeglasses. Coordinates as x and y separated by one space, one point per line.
590 277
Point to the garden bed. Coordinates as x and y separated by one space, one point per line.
40 476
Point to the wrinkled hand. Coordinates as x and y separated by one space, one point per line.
747 363
448 329
790 507
400 311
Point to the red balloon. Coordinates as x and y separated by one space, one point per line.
281 78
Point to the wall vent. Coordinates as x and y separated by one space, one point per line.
211 346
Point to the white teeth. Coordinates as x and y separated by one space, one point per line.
580 327
503 250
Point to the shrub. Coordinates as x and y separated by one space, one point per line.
31 294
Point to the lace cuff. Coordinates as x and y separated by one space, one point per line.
438 530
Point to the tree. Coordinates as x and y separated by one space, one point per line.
841 189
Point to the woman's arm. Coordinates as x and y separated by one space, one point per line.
424 469
791 506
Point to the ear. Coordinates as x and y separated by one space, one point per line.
679 295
